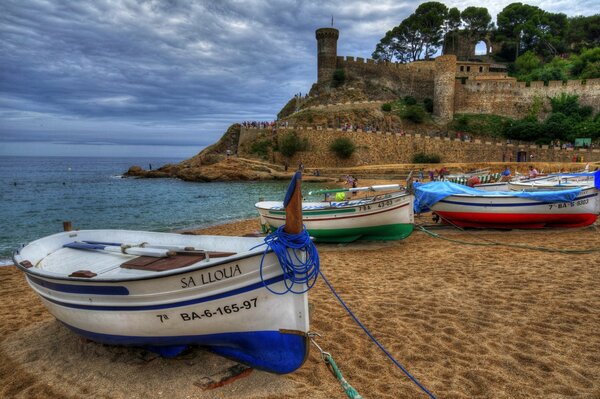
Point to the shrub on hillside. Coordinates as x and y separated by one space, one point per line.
261 148
339 78
387 107
409 100
414 113
343 147
428 105
290 144
421 157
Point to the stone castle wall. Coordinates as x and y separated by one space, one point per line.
389 148
414 79
440 80
513 99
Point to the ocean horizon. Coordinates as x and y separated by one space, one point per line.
39 193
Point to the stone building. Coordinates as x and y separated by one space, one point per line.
455 84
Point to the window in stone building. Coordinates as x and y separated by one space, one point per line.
480 69
462 68
468 69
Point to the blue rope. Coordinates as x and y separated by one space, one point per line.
361 325
289 249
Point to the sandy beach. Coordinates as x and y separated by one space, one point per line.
467 321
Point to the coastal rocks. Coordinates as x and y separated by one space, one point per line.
232 169
135 170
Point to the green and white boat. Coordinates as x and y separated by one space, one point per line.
386 216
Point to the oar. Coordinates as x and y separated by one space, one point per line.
293 206
153 252
147 245
177 249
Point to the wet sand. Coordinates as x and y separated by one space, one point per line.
467 321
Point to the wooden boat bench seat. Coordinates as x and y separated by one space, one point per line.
176 261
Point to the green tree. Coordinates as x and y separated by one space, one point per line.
418 36
343 147
290 144
587 64
477 21
583 32
451 27
526 63
414 113
557 69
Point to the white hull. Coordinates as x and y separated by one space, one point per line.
503 211
221 302
340 221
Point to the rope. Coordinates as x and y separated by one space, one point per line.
501 244
349 389
361 325
289 249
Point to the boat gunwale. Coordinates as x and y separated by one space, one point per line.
160 274
368 201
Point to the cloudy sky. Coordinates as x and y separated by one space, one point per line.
166 77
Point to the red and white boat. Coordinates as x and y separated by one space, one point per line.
472 208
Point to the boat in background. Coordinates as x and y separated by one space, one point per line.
468 207
555 181
386 216
165 291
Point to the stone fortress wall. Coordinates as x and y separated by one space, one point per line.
414 79
513 99
454 86
380 148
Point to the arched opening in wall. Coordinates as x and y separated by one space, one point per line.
482 48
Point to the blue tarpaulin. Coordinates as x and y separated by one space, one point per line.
427 194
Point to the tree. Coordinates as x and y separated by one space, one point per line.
477 21
430 17
290 144
526 63
517 25
418 36
451 27
587 64
583 32
343 147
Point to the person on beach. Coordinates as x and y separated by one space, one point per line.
506 171
532 172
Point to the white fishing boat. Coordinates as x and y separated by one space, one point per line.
166 291
556 181
467 207
387 216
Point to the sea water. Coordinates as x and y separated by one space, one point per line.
38 193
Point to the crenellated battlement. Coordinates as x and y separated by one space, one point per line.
507 84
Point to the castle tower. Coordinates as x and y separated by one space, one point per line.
443 87
326 53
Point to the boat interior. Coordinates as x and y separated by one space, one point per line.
121 254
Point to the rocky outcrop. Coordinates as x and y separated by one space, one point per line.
225 169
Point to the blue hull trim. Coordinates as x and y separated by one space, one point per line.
81 289
248 288
272 351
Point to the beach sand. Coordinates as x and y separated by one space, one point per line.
467 321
